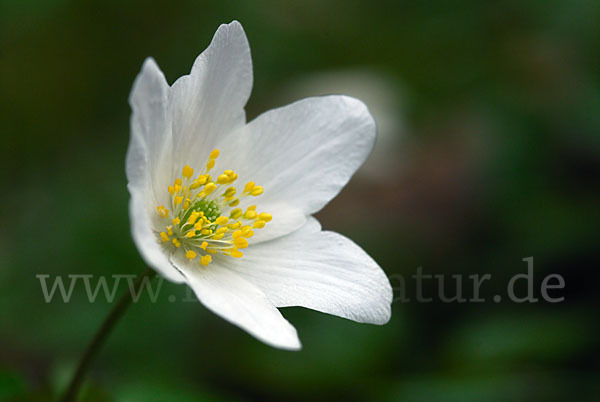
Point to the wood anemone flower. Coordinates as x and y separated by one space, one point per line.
225 206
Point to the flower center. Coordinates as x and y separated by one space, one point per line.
202 218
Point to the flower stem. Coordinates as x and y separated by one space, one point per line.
102 333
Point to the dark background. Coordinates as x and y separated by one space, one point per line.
488 154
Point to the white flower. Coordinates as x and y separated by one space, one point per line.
249 249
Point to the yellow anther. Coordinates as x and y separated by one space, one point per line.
209 188
250 214
222 220
230 192
190 234
249 186
178 200
251 208
177 188
222 179
198 225
265 216
206 259
205 231
236 253
218 236
246 230
193 217
170 230
190 254
236 225
176 221
162 211
177 182
186 204
234 203
198 182
240 242
233 177
210 164
187 172
171 190
259 224
236 213
203 245
258 190
249 234
214 154
164 237
229 172
177 243
236 234
222 229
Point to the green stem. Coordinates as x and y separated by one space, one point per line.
94 346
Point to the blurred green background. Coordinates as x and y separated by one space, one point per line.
489 152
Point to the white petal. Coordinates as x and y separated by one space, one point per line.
209 103
304 153
150 144
320 270
241 303
149 133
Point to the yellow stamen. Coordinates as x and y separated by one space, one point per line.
236 225
264 216
193 217
209 188
162 211
240 242
222 220
230 192
187 172
222 179
236 253
249 186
